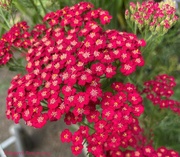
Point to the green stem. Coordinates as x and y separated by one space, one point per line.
35 7
4 18
21 50
137 83
20 7
44 10
4 26
84 142
130 80
135 29
13 17
149 38
59 1
149 44
87 125
130 25
16 64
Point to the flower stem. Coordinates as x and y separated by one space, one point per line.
87 125
4 18
35 7
44 10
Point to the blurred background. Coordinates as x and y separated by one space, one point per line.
47 138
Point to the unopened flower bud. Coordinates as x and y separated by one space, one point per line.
169 2
5 4
132 8
158 29
127 15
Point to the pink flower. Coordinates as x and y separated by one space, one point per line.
76 22
81 99
138 110
108 114
95 149
114 141
110 71
54 114
134 98
148 150
66 136
98 69
15 117
84 78
104 17
76 149
100 125
79 111
93 116
69 116
68 90
39 120
84 130
124 57
54 102
127 68
77 138
94 93
27 114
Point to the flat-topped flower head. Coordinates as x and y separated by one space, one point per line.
18 36
160 90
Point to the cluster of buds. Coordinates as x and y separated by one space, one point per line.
5 4
155 17
160 90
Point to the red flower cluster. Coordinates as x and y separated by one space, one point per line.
157 17
65 63
160 90
145 151
70 59
17 37
113 120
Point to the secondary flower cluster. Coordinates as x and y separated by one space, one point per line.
145 151
160 90
113 122
153 16
17 37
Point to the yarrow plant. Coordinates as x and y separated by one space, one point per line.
79 71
